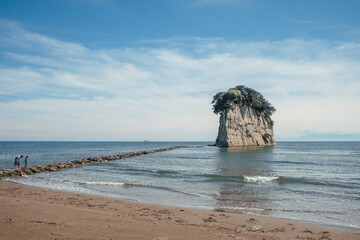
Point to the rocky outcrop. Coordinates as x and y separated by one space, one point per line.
243 126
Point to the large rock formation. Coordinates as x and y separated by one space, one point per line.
242 126
244 118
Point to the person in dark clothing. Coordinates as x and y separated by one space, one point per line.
26 160
20 159
16 163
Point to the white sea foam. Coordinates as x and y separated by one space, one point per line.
101 183
259 179
243 209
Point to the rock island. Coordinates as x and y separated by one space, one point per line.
245 118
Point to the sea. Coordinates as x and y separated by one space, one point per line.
314 182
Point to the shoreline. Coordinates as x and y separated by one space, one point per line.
37 213
204 208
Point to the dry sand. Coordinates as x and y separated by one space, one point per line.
36 213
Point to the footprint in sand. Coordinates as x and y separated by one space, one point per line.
165 211
209 219
277 230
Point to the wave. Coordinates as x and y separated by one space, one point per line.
242 178
163 172
142 171
296 162
126 184
101 183
229 179
274 179
309 181
249 209
260 179
223 178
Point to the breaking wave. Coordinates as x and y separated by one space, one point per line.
101 183
260 179
244 178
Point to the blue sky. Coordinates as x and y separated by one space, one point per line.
110 23
134 70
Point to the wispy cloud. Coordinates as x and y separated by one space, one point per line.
163 89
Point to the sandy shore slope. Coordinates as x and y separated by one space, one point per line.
35 213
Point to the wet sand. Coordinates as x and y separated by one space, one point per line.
36 213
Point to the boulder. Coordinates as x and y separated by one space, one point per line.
28 171
112 157
61 165
35 169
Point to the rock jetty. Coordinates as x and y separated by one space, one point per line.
5 173
245 118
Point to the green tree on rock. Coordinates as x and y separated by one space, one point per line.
243 96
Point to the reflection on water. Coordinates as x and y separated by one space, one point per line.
247 149
243 196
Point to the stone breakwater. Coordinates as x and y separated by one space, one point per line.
59 166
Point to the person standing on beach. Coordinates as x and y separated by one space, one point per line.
26 159
16 163
20 159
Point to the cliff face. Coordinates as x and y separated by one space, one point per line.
242 126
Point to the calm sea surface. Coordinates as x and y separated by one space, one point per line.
317 182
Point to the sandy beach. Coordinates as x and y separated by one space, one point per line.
36 213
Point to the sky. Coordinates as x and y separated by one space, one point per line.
130 70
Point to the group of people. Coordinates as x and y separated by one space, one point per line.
20 158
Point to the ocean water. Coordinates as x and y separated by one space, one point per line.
316 182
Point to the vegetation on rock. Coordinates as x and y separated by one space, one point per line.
243 96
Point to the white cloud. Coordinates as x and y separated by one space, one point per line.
65 91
